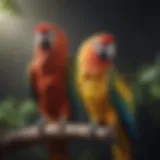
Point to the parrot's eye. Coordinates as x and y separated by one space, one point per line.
45 38
105 51
49 36
110 50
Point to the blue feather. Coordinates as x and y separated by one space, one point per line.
126 117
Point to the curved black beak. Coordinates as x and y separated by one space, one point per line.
45 44
45 41
103 56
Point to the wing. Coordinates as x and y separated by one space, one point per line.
78 111
123 100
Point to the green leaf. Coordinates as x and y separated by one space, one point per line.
10 6
27 108
14 114
155 90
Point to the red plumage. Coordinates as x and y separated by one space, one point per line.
48 73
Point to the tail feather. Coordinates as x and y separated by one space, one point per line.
123 100
122 149
58 150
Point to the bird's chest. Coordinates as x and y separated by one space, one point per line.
94 87
49 83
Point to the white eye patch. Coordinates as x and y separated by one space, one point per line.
110 50
98 46
106 49
49 36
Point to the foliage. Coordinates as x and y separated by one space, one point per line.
16 114
9 6
147 90
147 83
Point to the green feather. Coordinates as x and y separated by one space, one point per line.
123 105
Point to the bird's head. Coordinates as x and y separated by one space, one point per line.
99 51
44 36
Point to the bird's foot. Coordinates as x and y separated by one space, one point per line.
62 122
92 128
42 123
110 133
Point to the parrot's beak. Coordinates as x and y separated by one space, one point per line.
45 44
103 56
44 39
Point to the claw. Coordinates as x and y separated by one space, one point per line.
62 122
42 123
110 131
92 128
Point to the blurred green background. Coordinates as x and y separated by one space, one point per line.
17 109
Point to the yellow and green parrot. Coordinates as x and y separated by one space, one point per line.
106 97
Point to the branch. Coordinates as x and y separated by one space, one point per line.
33 135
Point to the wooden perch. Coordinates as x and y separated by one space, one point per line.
33 135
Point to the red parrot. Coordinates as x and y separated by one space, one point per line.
48 73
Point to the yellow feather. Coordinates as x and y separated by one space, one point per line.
124 90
